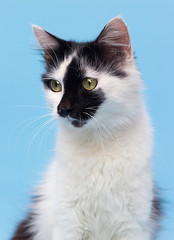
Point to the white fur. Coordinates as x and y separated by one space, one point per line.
99 186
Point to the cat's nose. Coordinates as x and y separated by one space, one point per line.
63 112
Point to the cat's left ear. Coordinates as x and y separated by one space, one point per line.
114 41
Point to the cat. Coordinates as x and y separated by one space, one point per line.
100 184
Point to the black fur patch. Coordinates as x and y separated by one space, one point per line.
83 103
23 231
156 215
156 209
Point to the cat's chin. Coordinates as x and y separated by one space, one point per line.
78 123
74 122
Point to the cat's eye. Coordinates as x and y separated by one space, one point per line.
89 83
55 86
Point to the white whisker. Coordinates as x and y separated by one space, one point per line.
37 130
35 119
47 128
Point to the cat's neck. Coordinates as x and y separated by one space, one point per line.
97 143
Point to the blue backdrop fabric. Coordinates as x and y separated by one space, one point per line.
26 141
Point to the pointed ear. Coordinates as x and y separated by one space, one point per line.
48 42
114 41
46 39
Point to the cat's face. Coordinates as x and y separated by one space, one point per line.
92 84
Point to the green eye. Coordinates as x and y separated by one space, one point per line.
55 86
89 83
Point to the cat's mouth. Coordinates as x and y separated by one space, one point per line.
76 119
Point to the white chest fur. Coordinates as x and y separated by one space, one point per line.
98 191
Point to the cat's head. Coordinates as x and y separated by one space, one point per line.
92 83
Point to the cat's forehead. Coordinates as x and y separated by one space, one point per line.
81 59
60 69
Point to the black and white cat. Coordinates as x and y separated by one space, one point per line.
99 186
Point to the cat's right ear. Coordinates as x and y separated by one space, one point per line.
114 41
48 42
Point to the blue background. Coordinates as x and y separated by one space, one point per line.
24 156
